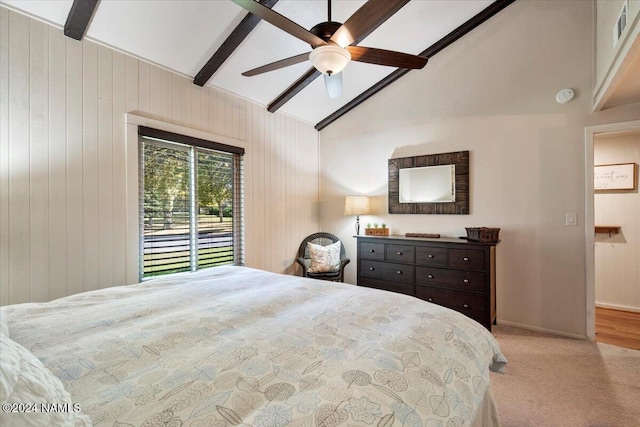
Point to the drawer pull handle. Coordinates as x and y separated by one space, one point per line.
399 253
430 276
371 268
430 299
465 258
372 250
399 272
429 256
466 280
466 305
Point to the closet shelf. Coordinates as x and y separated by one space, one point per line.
611 229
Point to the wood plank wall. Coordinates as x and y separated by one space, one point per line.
63 161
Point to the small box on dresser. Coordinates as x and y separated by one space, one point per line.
455 273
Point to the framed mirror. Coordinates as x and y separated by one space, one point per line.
441 188
430 184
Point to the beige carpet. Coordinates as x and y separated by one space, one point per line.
554 381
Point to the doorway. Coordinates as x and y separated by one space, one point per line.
592 133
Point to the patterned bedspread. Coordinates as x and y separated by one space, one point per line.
234 345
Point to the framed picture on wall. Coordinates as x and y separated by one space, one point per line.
619 176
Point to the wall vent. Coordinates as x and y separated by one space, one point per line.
621 23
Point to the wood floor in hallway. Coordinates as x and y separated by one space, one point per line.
617 327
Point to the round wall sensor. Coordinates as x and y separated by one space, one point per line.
564 96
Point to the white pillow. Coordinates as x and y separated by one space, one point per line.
324 259
25 380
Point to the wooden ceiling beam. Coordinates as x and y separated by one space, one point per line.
292 90
232 42
438 46
79 17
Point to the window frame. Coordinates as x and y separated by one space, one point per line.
175 140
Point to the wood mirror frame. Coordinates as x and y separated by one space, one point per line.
459 207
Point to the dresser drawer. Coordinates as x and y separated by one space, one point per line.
434 257
400 253
402 288
468 259
472 305
372 251
387 271
452 279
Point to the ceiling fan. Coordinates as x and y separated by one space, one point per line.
334 44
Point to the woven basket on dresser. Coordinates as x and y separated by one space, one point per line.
483 234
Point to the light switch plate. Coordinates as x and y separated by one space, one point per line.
571 219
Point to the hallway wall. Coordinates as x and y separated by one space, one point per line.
617 257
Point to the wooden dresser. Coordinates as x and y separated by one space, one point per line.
454 273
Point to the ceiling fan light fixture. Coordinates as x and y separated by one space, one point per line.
333 83
329 59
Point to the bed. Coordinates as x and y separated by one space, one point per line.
231 346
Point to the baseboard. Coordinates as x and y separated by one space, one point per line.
618 307
543 330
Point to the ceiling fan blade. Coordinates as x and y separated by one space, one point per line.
333 83
391 58
277 65
366 19
285 24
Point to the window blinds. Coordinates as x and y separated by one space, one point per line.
191 203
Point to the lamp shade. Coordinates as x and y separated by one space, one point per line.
329 59
356 205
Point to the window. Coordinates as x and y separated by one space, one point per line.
190 203
620 24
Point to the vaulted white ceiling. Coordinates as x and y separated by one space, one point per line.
181 35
